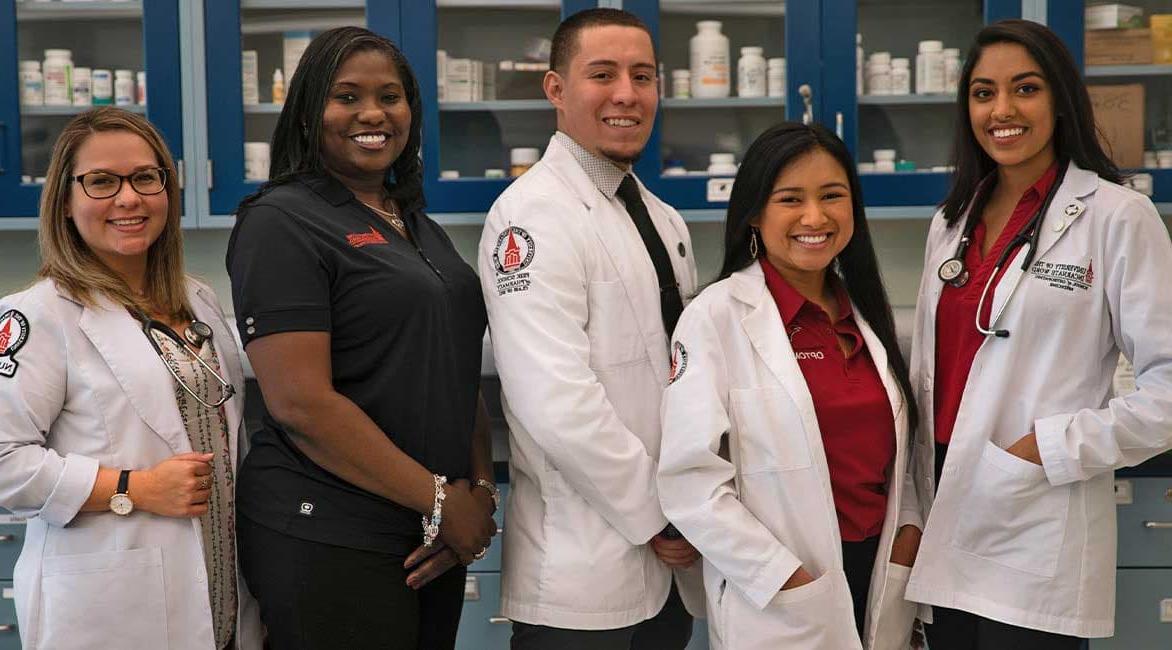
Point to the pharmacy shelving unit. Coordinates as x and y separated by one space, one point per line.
134 34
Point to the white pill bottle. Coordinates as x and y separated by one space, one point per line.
709 61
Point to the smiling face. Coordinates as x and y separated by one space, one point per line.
607 97
1011 109
119 229
808 218
367 119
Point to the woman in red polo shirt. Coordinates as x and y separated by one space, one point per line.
1040 270
787 422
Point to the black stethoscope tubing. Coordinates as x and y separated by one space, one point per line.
202 332
952 270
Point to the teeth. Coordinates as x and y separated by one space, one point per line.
812 239
1007 133
128 222
619 122
370 139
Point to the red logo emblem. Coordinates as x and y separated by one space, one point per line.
358 240
13 333
5 335
1089 276
513 251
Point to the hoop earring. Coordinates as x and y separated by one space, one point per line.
753 243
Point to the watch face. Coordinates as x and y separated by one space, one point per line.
121 504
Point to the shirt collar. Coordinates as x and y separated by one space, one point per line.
1043 184
605 175
790 302
328 187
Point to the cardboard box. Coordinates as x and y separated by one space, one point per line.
1162 38
1119 47
1113 16
1119 114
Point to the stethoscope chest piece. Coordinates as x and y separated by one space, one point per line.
953 272
197 332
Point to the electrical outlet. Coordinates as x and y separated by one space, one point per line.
1123 493
9 594
719 190
1166 610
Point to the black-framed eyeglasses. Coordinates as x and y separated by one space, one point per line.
103 185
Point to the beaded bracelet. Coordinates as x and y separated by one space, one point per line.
431 525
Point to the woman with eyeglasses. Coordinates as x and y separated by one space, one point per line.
120 411
1040 271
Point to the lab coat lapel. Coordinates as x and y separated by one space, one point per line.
119 339
207 310
890 384
767 333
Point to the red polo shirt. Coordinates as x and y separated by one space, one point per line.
851 404
957 338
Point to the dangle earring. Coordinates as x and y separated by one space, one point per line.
753 243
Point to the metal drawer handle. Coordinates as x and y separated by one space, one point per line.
7 538
498 620
7 628
500 531
1158 525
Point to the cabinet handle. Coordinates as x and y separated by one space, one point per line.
1158 525
7 628
7 538
498 620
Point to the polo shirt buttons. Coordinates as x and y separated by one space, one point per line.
249 321
251 330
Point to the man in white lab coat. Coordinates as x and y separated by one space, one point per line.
584 273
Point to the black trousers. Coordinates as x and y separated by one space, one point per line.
670 629
953 629
314 596
858 560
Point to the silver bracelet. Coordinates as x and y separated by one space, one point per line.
431 525
492 491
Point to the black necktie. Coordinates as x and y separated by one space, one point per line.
670 303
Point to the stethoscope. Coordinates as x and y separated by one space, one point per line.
196 333
953 272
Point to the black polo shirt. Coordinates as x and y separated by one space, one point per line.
406 322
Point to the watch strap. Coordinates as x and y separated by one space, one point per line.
123 482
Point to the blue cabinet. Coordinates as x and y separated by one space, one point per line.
9 637
135 35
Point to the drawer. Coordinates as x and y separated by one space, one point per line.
492 561
1143 598
1145 524
9 639
11 541
481 624
699 635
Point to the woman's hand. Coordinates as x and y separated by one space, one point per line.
799 578
429 564
906 546
467 526
176 487
1026 448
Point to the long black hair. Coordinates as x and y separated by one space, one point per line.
296 143
1075 135
771 153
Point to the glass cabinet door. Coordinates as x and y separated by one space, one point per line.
66 57
486 119
1127 50
893 67
727 74
248 75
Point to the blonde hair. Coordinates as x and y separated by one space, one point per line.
69 261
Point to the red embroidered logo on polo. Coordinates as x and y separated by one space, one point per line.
358 240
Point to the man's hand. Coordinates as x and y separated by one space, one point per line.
676 553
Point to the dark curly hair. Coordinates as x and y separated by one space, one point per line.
296 143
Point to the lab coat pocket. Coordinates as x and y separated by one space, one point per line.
1012 515
94 600
815 616
612 328
769 432
896 615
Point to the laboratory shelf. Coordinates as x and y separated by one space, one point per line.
302 4
1129 70
907 100
727 8
88 10
497 105
52 111
498 4
264 109
294 23
724 102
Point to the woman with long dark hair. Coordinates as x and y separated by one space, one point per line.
789 416
364 327
1040 270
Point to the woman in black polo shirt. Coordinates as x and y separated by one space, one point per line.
364 327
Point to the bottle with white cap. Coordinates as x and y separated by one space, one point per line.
930 68
103 87
901 77
951 69
82 87
521 159
681 84
709 61
722 164
32 84
123 87
879 78
776 76
58 77
858 64
751 79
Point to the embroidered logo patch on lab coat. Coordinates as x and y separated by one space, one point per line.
13 333
1067 277
679 362
512 255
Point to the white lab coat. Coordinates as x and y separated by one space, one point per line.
1006 539
743 475
90 391
583 359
